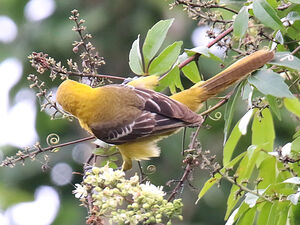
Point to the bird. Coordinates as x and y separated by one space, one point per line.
134 118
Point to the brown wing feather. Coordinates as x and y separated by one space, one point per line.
160 114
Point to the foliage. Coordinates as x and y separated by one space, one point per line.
264 175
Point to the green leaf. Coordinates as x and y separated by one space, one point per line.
267 171
243 172
263 133
270 83
135 58
154 39
162 63
240 24
204 51
295 1
248 217
278 214
247 92
171 80
293 105
274 106
231 144
234 161
292 180
243 124
266 14
241 211
99 151
296 145
208 184
286 59
279 37
264 213
293 16
283 215
191 72
229 110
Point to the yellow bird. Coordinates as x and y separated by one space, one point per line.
135 118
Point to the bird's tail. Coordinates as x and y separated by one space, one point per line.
201 91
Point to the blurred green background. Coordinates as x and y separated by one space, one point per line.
114 25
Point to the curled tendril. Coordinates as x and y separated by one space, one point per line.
217 116
151 169
52 139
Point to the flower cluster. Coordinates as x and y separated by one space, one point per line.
125 201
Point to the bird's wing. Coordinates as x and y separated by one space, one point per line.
159 114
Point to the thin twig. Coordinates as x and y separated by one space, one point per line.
11 161
188 169
210 44
207 6
242 187
69 73
219 104
295 50
185 175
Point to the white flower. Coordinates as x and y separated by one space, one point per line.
150 189
110 175
80 191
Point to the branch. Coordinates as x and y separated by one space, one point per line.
219 104
188 169
22 155
242 187
206 5
210 44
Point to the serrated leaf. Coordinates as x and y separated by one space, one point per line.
286 59
166 59
135 58
293 105
240 24
263 133
229 110
274 106
154 39
266 14
191 72
270 83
